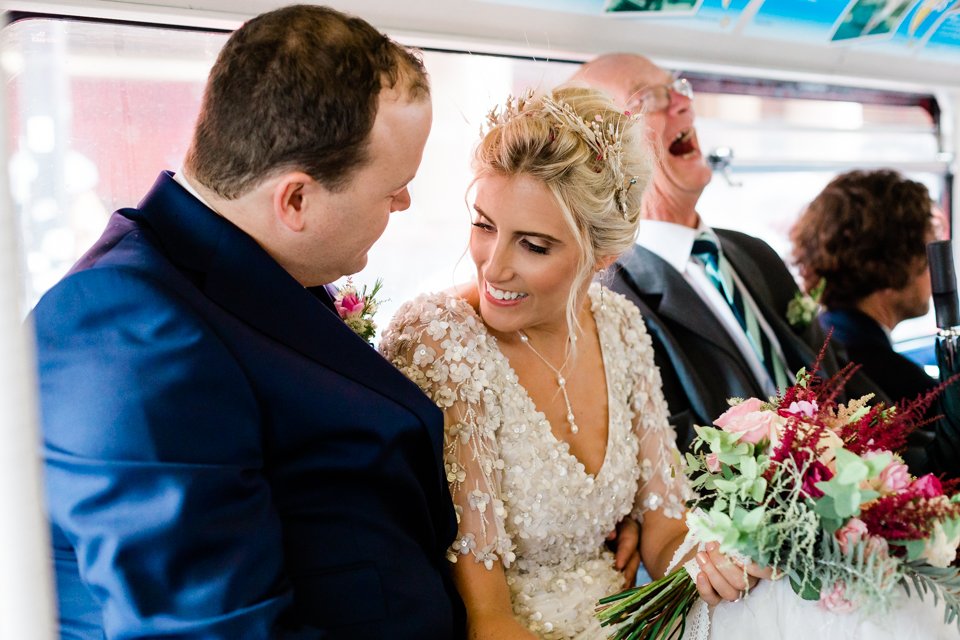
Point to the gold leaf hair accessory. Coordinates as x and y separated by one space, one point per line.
605 141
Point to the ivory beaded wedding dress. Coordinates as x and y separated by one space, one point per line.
522 498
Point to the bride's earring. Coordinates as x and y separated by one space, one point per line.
601 273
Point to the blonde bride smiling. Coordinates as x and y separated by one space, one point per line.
556 427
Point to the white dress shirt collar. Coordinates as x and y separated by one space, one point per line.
180 178
672 242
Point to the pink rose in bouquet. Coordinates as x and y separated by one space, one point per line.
927 486
895 477
751 420
834 599
850 534
801 409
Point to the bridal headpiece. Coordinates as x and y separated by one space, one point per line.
605 139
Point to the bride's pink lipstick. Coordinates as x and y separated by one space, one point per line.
497 301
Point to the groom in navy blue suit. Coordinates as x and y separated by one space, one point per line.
225 458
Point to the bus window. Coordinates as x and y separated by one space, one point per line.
786 149
98 109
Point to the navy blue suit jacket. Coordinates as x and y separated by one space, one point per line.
935 449
700 363
224 457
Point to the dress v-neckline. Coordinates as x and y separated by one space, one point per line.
544 423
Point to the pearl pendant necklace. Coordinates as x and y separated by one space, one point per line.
561 381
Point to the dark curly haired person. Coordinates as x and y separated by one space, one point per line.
864 236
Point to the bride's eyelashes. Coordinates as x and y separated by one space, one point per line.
526 243
534 248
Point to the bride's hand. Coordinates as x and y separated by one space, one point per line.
723 578
626 538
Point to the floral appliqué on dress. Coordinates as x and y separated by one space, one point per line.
522 499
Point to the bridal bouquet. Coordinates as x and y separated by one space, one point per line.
812 489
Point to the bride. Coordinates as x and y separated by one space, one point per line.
556 427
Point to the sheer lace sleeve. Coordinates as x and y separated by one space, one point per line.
440 344
662 482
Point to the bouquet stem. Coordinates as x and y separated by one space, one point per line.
654 611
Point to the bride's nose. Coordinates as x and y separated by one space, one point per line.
498 267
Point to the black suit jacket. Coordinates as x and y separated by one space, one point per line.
699 362
936 449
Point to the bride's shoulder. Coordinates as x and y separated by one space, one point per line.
619 309
439 315
451 304
622 323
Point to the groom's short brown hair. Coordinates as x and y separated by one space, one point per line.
296 89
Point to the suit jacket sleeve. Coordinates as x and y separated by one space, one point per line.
153 463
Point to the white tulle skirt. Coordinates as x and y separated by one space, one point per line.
773 610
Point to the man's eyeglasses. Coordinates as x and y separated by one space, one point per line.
659 97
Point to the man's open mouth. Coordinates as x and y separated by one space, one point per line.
683 144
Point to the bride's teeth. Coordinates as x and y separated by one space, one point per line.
504 295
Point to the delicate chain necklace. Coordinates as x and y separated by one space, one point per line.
561 381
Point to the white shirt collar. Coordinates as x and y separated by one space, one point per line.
180 178
672 242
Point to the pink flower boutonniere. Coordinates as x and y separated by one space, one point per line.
356 308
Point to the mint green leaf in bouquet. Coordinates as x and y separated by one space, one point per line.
758 489
725 445
844 488
727 486
751 521
914 549
748 467
851 468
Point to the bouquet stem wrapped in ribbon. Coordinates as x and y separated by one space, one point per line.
813 489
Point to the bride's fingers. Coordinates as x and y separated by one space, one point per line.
764 573
741 576
628 544
630 571
726 579
731 570
706 590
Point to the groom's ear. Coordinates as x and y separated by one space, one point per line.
292 194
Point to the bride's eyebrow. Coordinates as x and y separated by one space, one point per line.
532 234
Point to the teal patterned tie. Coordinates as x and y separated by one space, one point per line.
706 250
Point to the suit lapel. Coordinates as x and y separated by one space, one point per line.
237 274
668 295
797 348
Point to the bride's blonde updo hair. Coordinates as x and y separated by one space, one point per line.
590 155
